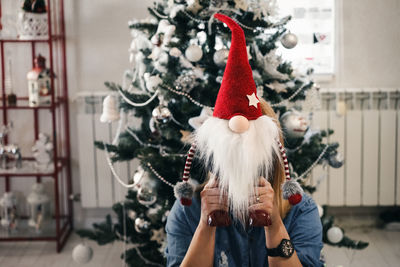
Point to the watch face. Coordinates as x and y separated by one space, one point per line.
287 248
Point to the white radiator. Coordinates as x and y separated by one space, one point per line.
368 134
98 186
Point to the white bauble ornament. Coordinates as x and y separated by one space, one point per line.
335 234
161 114
289 40
82 253
320 211
221 57
194 53
294 124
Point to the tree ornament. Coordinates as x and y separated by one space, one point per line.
294 124
137 176
194 53
289 40
152 82
132 214
186 81
334 234
141 225
221 57
82 253
336 160
194 6
175 52
161 114
146 195
152 213
241 4
164 29
158 235
110 110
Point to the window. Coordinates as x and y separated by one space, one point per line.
313 22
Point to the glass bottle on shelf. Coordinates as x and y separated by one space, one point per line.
39 83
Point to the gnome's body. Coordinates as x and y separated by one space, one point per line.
238 141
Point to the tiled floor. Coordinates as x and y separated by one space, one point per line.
384 250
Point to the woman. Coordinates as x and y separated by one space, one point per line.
192 242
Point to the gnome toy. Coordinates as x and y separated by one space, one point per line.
239 142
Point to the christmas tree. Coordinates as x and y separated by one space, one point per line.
178 58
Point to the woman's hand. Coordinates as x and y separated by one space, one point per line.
264 200
212 199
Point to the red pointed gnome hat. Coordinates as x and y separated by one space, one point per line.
237 94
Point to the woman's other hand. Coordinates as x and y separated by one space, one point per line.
212 199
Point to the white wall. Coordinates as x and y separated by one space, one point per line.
98 39
368 44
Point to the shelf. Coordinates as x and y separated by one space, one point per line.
28 169
26 232
53 38
22 103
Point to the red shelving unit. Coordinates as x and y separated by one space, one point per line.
61 223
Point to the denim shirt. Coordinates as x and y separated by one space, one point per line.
235 246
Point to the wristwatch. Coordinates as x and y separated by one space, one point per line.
285 249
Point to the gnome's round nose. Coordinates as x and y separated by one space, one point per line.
239 124
237 99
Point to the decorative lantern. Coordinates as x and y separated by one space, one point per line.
38 202
39 83
9 211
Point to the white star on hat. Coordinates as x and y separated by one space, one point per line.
253 101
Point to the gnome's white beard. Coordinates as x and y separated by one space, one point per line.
238 159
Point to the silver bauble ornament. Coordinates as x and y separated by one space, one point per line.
146 195
141 225
334 234
194 53
221 57
336 160
82 253
161 114
294 124
186 81
289 40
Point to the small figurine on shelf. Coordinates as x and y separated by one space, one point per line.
43 152
8 150
9 211
38 202
39 83
32 20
